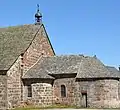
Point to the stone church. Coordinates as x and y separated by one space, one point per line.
31 73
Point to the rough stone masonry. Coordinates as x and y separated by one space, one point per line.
32 74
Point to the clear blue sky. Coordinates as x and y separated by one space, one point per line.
90 27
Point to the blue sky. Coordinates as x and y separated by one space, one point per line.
90 27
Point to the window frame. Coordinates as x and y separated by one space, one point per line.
63 91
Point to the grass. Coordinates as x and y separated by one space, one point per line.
38 108
60 107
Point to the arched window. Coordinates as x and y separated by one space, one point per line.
63 91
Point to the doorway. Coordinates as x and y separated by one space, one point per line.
84 99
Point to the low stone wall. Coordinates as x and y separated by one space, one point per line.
103 94
42 94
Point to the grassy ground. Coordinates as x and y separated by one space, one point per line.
32 108
58 109
41 108
55 107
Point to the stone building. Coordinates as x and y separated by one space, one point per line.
31 72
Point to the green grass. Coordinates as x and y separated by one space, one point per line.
49 107
59 106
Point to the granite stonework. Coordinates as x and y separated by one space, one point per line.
42 94
3 91
103 94
39 47
71 89
119 89
30 82
82 88
14 84
99 93
31 73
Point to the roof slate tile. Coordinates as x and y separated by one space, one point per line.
14 41
84 66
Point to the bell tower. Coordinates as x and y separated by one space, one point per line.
38 16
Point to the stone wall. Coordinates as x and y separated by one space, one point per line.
119 89
42 94
100 93
71 90
39 47
3 92
82 87
14 84
28 82
103 94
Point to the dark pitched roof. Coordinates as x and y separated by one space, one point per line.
91 67
55 65
61 64
85 67
34 73
113 70
14 41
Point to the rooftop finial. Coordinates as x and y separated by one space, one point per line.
38 16
38 7
95 56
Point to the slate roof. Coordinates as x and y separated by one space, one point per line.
34 73
55 65
85 67
14 41
113 70
91 67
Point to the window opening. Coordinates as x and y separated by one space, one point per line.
63 91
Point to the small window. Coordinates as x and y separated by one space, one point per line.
29 91
63 91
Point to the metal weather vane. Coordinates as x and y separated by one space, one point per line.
37 7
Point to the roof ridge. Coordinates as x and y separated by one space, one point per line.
19 25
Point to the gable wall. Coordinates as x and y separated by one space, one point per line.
39 47
14 84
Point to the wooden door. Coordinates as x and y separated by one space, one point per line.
84 100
